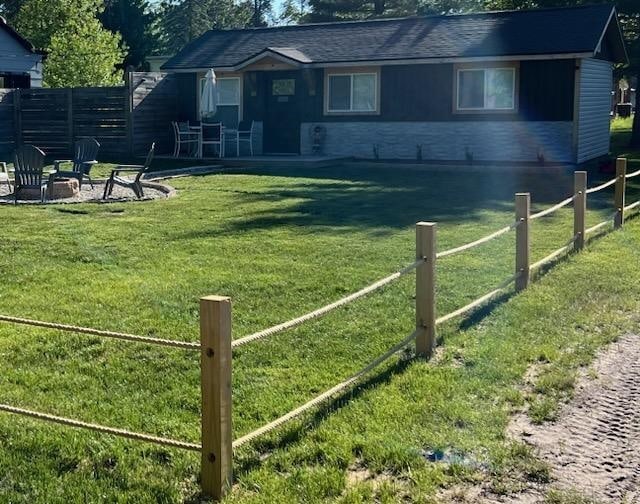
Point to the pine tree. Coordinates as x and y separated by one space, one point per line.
134 20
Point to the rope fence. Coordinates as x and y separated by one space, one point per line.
601 186
216 343
478 302
100 428
553 255
104 334
601 225
326 309
632 174
632 206
340 387
552 209
479 241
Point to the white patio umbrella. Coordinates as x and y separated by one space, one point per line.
209 98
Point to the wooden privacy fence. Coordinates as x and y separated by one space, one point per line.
216 344
124 119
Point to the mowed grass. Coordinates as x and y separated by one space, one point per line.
281 242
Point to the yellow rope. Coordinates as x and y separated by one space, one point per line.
325 395
105 334
325 309
479 241
602 186
100 428
478 302
552 209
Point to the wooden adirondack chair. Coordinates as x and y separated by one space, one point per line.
85 155
28 166
134 185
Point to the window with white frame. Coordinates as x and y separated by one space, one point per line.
228 90
486 89
356 92
228 94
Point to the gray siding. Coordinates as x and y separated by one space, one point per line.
16 59
593 109
486 141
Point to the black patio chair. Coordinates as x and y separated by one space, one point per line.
28 166
85 155
134 185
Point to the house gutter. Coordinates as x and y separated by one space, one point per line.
409 61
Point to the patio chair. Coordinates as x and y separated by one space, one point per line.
28 165
4 175
85 154
212 134
184 135
134 185
244 134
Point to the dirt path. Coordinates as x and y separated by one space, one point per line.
594 446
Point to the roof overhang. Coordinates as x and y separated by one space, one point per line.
613 37
387 62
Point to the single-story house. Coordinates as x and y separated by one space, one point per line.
20 63
497 86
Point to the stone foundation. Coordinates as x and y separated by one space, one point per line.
446 141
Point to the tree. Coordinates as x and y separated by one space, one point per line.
84 54
38 20
80 52
134 20
181 21
293 11
9 9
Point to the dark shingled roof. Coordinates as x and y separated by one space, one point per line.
532 32
16 36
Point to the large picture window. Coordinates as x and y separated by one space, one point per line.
356 92
228 90
228 93
486 89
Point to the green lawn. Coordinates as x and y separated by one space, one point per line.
281 242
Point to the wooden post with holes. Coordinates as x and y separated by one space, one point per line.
215 368
579 208
621 172
523 204
426 288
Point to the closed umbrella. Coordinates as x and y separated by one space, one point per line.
209 98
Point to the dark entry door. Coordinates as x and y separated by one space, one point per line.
282 118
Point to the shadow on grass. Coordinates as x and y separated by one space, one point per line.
384 198
292 435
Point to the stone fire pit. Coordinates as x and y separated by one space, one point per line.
60 189
67 191
64 188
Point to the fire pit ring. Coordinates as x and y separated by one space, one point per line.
60 189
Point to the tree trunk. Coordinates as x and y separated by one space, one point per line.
635 132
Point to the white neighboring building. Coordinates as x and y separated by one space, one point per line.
20 63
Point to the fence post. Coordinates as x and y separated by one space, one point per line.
523 204
621 172
579 208
128 110
215 368
426 288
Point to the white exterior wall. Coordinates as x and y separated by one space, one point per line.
447 141
594 106
16 59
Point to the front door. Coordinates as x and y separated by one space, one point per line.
282 118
